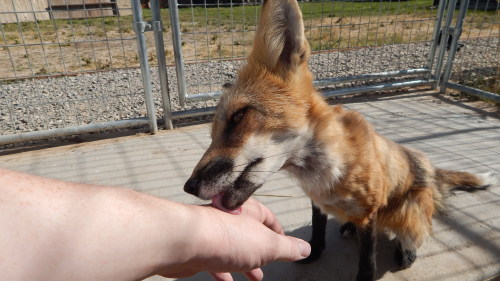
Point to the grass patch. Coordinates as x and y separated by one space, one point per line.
248 15
227 32
485 83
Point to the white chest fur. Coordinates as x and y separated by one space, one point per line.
318 173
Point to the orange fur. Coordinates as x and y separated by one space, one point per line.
341 163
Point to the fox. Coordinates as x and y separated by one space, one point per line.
271 118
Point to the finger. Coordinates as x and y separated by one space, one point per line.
291 248
255 274
263 214
271 222
221 276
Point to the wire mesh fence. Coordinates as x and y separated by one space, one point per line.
477 64
38 46
67 64
347 38
56 66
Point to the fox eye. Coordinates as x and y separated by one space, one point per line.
238 115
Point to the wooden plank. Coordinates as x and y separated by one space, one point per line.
75 2
36 9
76 9
40 9
79 14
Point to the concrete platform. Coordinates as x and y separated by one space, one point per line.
466 240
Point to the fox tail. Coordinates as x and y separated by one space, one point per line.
447 180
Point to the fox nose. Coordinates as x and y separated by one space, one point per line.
191 186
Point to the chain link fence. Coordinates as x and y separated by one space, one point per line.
76 66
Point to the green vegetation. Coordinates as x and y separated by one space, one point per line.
223 32
488 81
200 16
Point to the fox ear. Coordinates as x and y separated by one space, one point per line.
280 43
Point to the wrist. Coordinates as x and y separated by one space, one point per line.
188 240
205 238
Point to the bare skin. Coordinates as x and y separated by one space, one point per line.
55 230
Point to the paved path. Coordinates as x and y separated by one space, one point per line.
466 240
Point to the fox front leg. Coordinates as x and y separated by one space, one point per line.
367 256
318 235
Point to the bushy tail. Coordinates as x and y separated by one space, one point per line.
447 180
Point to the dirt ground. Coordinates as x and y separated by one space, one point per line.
110 42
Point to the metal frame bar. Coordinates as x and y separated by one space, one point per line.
179 61
371 76
327 94
379 87
445 32
331 81
473 91
140 27
435 35
59 132
193 112
162 64
456 32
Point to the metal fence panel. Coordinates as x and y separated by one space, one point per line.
67 76
349 40
473 62
75 75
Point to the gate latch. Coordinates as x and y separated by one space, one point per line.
145 26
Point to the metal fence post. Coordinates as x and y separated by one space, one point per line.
179 61
139 27
435 38
445 32
457 31
162 64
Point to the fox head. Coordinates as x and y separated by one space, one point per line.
262 119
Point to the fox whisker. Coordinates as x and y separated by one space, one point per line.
269 156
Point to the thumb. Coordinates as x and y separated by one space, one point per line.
292 249
221 276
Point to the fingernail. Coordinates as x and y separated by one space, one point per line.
304 249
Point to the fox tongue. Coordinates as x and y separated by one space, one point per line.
217 203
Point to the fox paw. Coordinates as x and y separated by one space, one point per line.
404 257
347 230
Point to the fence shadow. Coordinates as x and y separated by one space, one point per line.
340 257
464 104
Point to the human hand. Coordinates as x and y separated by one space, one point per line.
239 243
119 234
256 210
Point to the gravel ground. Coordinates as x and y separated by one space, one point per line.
40 104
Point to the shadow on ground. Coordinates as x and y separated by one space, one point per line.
338 261
464 246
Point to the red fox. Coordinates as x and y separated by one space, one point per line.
273 119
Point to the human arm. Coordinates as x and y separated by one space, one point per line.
54 230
